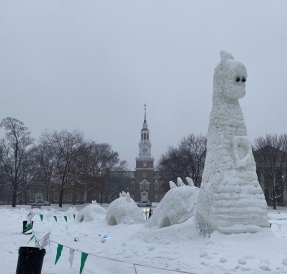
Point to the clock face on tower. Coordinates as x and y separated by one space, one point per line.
144 150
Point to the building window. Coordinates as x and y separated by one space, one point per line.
145 136
132 185
161 185
142 136
156 198
144 163
32 197
70 196
148 136
55 197
77 196
156 185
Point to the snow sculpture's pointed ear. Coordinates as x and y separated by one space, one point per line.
120 195
124 194
128 197
225 55
94 202
189 181
172 184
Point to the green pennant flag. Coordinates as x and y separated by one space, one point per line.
270 225
41 217
66 218
31 239
83 260
74 215
55 217
59 252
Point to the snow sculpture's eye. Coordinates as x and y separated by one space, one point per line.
237 79
243 79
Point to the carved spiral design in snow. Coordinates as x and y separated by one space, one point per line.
242 151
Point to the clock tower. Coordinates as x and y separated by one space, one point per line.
144 166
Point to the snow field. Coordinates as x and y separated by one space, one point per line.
178 247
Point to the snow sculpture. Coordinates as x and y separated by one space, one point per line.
91 212
230 199
177 205
124 210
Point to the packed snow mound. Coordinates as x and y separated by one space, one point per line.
124 210
230 198
90 213
177 206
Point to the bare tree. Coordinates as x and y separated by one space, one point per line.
185 160
17 157
64 146
270 154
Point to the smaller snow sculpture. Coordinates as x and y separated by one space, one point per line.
176 207
90 213
124 210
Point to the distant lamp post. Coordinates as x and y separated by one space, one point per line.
145 211
53 195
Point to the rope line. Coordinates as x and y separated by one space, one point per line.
121 261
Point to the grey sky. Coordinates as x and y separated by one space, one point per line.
92 65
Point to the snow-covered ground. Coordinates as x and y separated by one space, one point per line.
179 247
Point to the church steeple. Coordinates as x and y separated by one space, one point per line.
145 143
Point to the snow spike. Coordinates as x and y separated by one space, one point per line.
124 194
172 184
180 182
189 181
128 197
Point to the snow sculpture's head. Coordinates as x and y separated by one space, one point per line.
230 77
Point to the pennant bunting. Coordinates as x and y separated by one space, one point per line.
59 252
71 258
65 217
55 217
74 215
45 240
83 260
31 239
48 217
270 225
41 217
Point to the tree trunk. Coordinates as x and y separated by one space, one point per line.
274 193
61 198
14 198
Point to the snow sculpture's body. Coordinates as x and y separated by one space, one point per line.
91 212
177 205
124 210
231 199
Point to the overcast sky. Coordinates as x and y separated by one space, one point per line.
93 64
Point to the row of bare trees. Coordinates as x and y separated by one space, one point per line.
62 158
270 152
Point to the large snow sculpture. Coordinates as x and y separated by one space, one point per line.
91 212
177 205
230 198
124 210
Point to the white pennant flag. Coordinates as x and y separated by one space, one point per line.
48 217
71 258
279 227
46 240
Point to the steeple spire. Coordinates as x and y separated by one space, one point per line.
144 113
